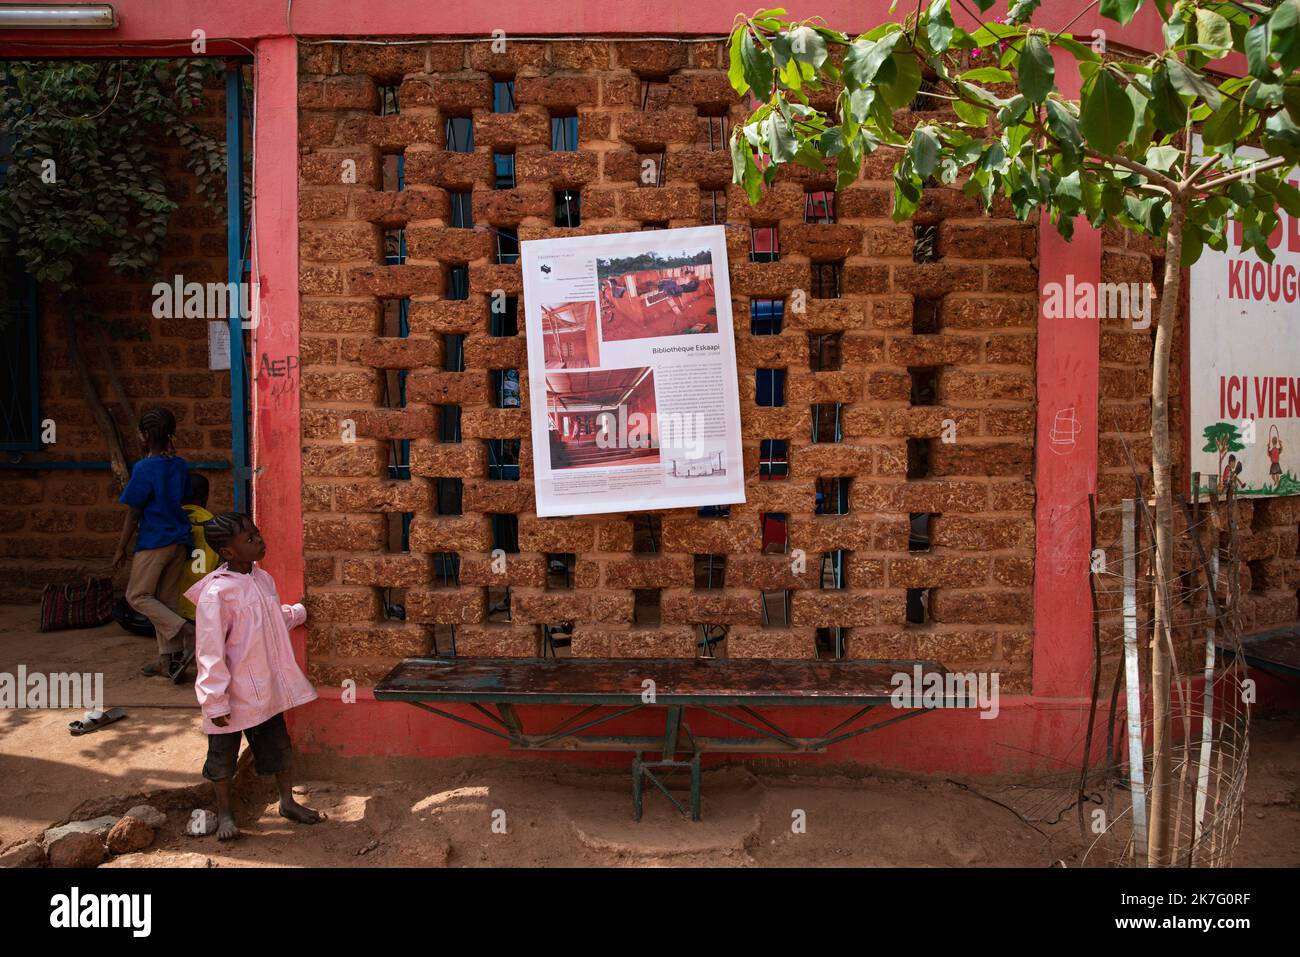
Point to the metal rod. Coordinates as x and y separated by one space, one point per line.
447 714
489 715
758 717
511 718
1207 719
564 724
848 721
672 726
786 739
666 793
1133 691
596 721
875 727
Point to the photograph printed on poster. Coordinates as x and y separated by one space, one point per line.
602 419
570 336
657 294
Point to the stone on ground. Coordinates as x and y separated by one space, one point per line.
129 834
77 849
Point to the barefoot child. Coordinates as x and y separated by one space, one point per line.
247 676
153 494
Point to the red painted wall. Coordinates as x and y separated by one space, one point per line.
953 741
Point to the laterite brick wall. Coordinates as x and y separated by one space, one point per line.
1270 561
59 526
983 289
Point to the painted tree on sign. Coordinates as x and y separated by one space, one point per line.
1222 437
1121 155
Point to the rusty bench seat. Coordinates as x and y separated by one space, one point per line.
621 686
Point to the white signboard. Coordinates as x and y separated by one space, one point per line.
218 344
1245 363
632 372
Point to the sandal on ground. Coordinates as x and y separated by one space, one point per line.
151 670
95 720
180 666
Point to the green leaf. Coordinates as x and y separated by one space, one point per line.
1037 71
1174 29
1264 95
939 26
1169 109
1291 97
757 65
1121 11
1213 31
864 58
1288 197
907 195
1080 51
1223 127
780 139
907 80
924 151
1193 244
1070 186
1106 113
1162 158
1257 58
986 74
970 114
807 46
1065 127
1190 83
1284 27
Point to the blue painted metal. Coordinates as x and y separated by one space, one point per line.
241 473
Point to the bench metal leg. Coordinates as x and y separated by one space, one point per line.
642 769
672 728
636 786
695 786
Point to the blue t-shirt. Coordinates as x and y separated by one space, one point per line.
157 486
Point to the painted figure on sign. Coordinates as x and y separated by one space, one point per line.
1274 455
1231 473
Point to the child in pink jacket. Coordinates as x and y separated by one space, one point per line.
247 676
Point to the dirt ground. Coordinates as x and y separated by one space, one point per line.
500 813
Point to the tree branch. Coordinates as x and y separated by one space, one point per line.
1158 178
1212 161
1272 163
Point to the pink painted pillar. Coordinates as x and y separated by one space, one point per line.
277 446
1065 456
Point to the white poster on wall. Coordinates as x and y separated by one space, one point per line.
218 344
632 372
1245 362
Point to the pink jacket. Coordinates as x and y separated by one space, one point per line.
245 662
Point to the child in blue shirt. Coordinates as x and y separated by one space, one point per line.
154 493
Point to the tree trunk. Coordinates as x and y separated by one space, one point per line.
1161 746
116 457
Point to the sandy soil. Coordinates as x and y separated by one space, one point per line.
500 812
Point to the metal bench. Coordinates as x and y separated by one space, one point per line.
630 685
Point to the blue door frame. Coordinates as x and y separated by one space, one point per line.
237 236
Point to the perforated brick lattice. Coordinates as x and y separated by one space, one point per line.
913 546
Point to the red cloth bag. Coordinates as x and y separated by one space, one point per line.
84 605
